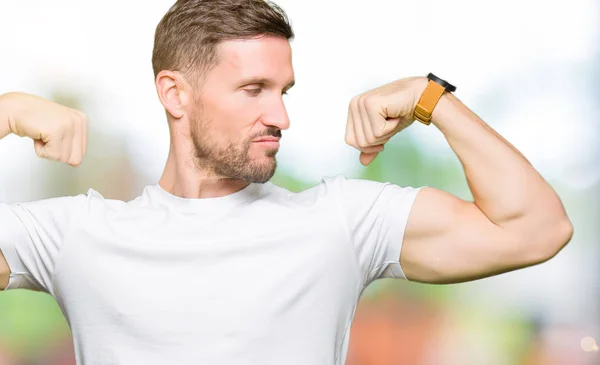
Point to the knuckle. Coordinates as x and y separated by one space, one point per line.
365 99
350 140
54 131
83 118
362 143
75 161
369 101
50 155
378 134
78 118
361 101
59 127
78 113
65 157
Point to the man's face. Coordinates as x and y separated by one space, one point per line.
238 115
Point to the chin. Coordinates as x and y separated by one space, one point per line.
265 163
263 156
263 171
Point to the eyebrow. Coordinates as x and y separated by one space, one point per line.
265 81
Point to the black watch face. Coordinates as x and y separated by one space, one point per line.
449 87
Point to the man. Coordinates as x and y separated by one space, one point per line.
216 265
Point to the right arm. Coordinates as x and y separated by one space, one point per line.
4 269
59 133
4 272
4 123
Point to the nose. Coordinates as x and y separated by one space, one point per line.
276 115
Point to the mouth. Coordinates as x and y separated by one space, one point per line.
267 142
267 139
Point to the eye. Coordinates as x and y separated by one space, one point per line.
254 92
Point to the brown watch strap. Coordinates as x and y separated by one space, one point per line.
429 99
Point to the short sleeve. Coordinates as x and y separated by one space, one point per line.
31 236
376 215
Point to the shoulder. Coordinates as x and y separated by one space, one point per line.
97 206
333 188
325 188
73 207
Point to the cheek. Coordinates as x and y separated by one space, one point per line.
234 116
240 123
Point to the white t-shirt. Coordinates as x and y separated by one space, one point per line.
261 276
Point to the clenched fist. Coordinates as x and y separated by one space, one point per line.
377 115
58 132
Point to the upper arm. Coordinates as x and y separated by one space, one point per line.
449 240
375 215
31 237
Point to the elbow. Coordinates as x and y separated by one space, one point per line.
564 234
554 239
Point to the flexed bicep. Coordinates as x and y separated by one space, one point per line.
450 240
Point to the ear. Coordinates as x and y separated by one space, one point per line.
172 92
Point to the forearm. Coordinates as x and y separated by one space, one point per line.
505 186
4 115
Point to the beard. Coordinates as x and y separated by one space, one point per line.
233 160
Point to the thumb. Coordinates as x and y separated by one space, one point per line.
40 148
367 158
390 127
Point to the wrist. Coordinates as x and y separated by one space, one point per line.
419 86
12 105
431 91
5 115
447 111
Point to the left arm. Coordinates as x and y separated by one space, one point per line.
516 219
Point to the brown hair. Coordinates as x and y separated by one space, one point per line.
187 37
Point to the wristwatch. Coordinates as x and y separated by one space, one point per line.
430 97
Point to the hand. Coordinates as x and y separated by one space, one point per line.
58 132
377 115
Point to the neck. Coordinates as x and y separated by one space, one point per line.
181 177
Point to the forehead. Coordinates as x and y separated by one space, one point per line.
265 57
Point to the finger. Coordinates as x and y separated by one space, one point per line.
383 126
76 145
373 149
390 127
53 142
358 126
66 144
402 124
40 148
350 137
84 136
368 154
367 158
46 150
379 125
83 119
367 123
